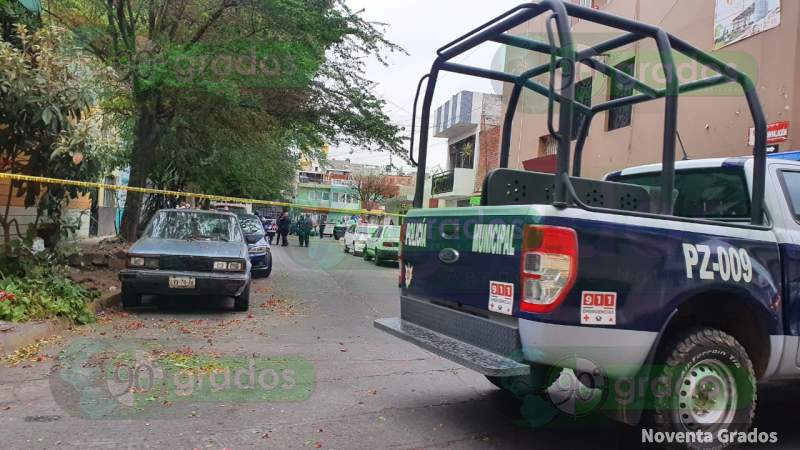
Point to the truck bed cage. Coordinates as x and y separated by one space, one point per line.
564 56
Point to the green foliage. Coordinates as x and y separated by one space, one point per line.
225 95
48 123
42 297
34 285
12 13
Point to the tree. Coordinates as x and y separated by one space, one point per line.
397 205
372 189
192 66
49 123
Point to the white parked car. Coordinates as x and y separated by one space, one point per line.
355 239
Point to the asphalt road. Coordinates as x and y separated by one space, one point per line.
351 386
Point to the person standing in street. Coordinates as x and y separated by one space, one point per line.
284 223
304 227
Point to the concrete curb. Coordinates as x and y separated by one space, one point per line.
24 334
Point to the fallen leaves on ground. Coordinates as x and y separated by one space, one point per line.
30 353
281 307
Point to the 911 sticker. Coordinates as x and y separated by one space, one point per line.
501 297
727 263
598 308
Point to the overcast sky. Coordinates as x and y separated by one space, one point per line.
420 27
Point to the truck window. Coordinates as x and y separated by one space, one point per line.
712 193
791 186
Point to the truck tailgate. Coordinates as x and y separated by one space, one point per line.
458 256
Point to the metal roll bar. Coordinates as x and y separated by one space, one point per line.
564 57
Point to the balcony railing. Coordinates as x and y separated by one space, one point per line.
443 182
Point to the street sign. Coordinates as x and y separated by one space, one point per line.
776 133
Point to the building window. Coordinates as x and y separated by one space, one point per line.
620 116
583 95
548 145
462 153
326 195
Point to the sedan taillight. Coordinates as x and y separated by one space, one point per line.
549 267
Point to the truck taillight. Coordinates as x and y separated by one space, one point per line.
401 278
548 268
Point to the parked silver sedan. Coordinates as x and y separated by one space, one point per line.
189 253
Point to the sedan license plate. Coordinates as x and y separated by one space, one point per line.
181 282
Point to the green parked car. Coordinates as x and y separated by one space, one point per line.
383 245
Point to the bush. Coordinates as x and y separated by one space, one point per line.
34 285
45 296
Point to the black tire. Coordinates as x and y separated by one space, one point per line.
130 299
366 255
242 301
345 248
378 259
707 383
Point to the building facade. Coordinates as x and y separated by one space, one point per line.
330 185
759 37
470 122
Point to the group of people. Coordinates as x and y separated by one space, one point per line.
304 226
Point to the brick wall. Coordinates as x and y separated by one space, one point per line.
489 157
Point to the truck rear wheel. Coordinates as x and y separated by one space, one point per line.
704 382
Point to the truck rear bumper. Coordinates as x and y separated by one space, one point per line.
618 353
480 344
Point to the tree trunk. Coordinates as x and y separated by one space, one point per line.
142 157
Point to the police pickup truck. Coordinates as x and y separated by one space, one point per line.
671 288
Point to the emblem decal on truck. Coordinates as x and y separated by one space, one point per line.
409 275
494 239
501 297
598 308
728 263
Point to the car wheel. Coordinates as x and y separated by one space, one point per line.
130 298
708 385
377 258
242 301
345 248
267 272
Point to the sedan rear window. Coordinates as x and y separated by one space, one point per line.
192 225
251 225
391 233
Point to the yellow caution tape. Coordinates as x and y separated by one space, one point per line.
213 198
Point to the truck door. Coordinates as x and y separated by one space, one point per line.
785 214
